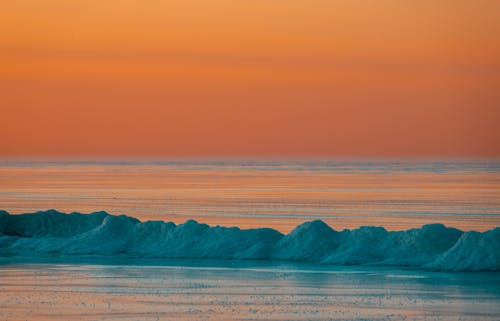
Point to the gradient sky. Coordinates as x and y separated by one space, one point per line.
250 78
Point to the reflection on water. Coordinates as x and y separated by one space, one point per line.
208 290
280 195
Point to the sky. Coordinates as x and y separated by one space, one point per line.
294 78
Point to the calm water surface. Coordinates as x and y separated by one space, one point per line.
274 194
397 195
241 291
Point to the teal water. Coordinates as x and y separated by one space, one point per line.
238 290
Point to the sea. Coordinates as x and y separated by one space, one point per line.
279 194
396 195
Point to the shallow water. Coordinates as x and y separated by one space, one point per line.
281 195
122 289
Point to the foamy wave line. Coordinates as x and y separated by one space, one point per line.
433 246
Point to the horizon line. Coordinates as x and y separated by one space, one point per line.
239 159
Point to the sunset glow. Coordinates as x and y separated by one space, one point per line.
250 78
250 160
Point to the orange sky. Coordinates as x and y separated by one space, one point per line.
250 78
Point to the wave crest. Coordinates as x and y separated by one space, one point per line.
433 246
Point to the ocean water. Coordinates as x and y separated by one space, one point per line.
121 289
281 195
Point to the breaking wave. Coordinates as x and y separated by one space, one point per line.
433 246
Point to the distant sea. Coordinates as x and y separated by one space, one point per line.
277 194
